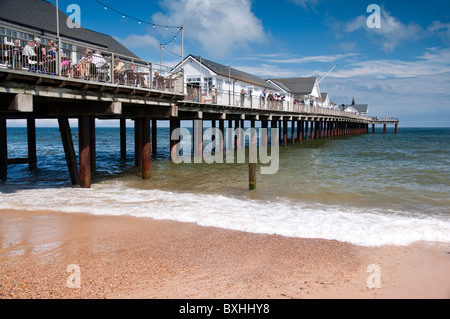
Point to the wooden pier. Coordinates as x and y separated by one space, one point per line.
31 96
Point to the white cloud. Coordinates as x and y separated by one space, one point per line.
218 26
441 29
306 4
317 58
392 32
134 41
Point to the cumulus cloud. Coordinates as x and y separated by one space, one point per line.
392 32
134 41
218 26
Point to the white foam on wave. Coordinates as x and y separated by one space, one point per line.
286 218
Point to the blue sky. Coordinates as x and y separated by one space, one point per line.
401 69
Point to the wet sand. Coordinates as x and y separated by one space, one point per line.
127 257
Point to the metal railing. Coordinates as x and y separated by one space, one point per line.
26 52
229 98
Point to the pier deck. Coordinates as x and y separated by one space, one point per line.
31 96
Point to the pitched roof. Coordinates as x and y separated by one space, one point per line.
226 71
41 16
361 108
281 85
324 95
299 85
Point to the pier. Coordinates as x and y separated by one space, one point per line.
104 80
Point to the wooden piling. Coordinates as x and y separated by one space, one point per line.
384 128
146 149
3 149
69 150
222 130
174 124
123 139
292 132
154 136
396 128
306 130
252 166
84 137
92 142
285 132
31 139
138 142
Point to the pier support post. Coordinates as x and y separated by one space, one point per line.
396 128
84 150
69 150
174 124
198 140
123 139
373 128
137 142
146 149
292 132
222 130
273 126
265 133
285 132
92 144
155 136
252 166
306 130
384 128
31 139
3 150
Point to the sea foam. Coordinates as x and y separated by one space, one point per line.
366 227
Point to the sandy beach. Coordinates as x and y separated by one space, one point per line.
127 257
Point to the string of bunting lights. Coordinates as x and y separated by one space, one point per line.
154 25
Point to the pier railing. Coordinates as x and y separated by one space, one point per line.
25 52
253 101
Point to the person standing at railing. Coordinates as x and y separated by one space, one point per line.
100 65
214 94
242 97
29 54
119 71
40 52
262 99
17 55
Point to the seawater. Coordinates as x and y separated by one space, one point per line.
371 189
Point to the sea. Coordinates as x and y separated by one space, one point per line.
370 189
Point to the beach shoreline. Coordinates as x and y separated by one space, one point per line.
134 257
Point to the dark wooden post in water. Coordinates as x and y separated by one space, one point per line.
285 132
306 130
84 137
3 150
123 139
384 128
292 132
222 129
92 142
137 141
252 166
146 149
69 150
155 136
174 124
396 128
31 139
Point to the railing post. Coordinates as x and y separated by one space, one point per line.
112 68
